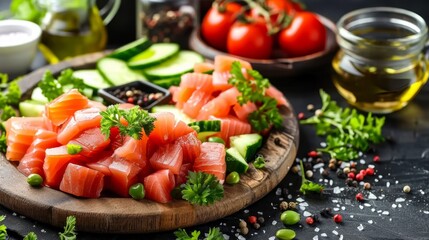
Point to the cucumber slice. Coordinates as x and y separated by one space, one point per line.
171 108
235 162
131 49
31 108
154 55
117 72
246 144
206 128
167 82
92 78
175 66
38 96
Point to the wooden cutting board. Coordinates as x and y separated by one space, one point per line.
125 215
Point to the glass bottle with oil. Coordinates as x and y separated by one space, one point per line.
380 66
73 27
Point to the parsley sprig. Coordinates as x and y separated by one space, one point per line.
202 188
53 88
69 232
347 132
253 90
307 185
213 234
136 120
3 228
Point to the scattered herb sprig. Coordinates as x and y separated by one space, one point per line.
53 88
202 189
30 236
213 234
3 228
307 185
347 131
69 232
253 90
136 120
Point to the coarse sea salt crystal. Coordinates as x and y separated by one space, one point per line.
400 200
388 184
337 190
367 205
335 200
426 212
341 237
352 216
318 165
335 232
279 191
343 208
306 214
316 237
361 206
331 182
317 229
324 235
376 180
370 221
323 144
394 206
300 200
274 222
380 176
360 227
336 209
272 238
289 196
304 204
371 196
246 211
372 209
362 161
385 213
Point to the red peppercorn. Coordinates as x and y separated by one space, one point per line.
351 175
252 219
309 220
313 154
359 197
363 172
376 159
359 177
369 171
130 100
338 218
301 116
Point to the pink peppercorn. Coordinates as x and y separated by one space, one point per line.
359 197
130 100
338 218
252 219
351 175
369 171
313 154
363 172
376 159
301 116
359 177
309 220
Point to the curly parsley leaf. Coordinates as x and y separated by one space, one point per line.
202 189
253 90
213 234
307 185
53 88
136 119
3 145
30 236
3 228
347 132
69 232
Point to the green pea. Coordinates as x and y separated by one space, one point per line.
216 139
233 178
136 191
290 217
35 180
285 234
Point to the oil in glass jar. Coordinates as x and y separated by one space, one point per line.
380 66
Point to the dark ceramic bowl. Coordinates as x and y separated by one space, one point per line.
154 93
278 66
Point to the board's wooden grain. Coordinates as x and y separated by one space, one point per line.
125 215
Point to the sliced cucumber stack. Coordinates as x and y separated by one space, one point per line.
117 72
246 144
92 78
180 64
31 108
206 128
154 55
235 162
131 49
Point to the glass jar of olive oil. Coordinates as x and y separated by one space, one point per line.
380 66
73 27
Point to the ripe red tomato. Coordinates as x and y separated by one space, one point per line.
217 22
283 5
305 35
250 40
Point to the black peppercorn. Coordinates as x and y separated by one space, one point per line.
261 220
340 173
326 213
325 173
349 182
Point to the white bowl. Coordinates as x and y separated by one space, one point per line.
18 46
